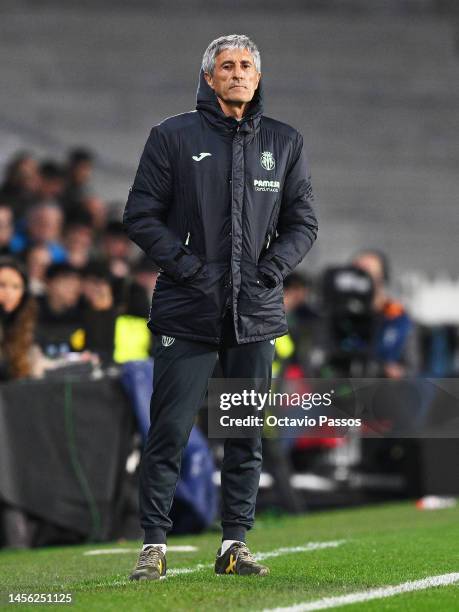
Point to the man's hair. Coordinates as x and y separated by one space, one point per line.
79 155
42 205
232 41
296 280
51 170
59 270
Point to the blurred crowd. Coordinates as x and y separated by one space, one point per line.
75 297
74 289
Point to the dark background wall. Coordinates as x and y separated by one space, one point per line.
373 86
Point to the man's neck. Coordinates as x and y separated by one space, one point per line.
236 110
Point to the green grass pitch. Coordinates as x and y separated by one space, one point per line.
374 547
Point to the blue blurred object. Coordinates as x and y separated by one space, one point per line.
57 252
137 380
195 501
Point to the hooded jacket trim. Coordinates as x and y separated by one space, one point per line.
208 105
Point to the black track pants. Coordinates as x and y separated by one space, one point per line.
181 372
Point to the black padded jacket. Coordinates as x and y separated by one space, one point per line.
224 208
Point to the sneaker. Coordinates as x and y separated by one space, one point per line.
151 565
238 560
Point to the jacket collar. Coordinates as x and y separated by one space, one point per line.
208 105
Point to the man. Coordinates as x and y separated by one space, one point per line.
393 325
52 180
222 203
44 223
78 239
79 170
60 328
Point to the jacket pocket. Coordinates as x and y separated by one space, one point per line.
260 318
272 223
253 288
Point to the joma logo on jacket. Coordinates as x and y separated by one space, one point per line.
219 227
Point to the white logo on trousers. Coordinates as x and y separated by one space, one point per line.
167 340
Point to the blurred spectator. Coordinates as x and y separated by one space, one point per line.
115 243
52 179
21 183
18 312
37 259
393 325
297 298
116 250
79 173
99 311
97 208
145 274
60 328
43 226
292 351
6 228
78 239
133 340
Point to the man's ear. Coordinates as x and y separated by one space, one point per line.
209 79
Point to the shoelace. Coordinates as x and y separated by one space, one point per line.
245 554
149 556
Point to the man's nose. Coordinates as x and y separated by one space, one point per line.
238 73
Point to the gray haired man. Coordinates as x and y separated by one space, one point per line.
222 203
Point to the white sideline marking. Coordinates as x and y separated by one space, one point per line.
389 591
120 551
263 555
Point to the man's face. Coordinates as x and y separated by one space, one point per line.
371 264
38 259
51 188
78 238
29 176
235 77
116 247
82 172
64 290
45 224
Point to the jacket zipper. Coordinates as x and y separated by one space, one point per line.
232 220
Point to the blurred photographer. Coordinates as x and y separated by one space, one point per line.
393 326
366 332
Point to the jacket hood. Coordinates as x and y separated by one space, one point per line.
207 103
